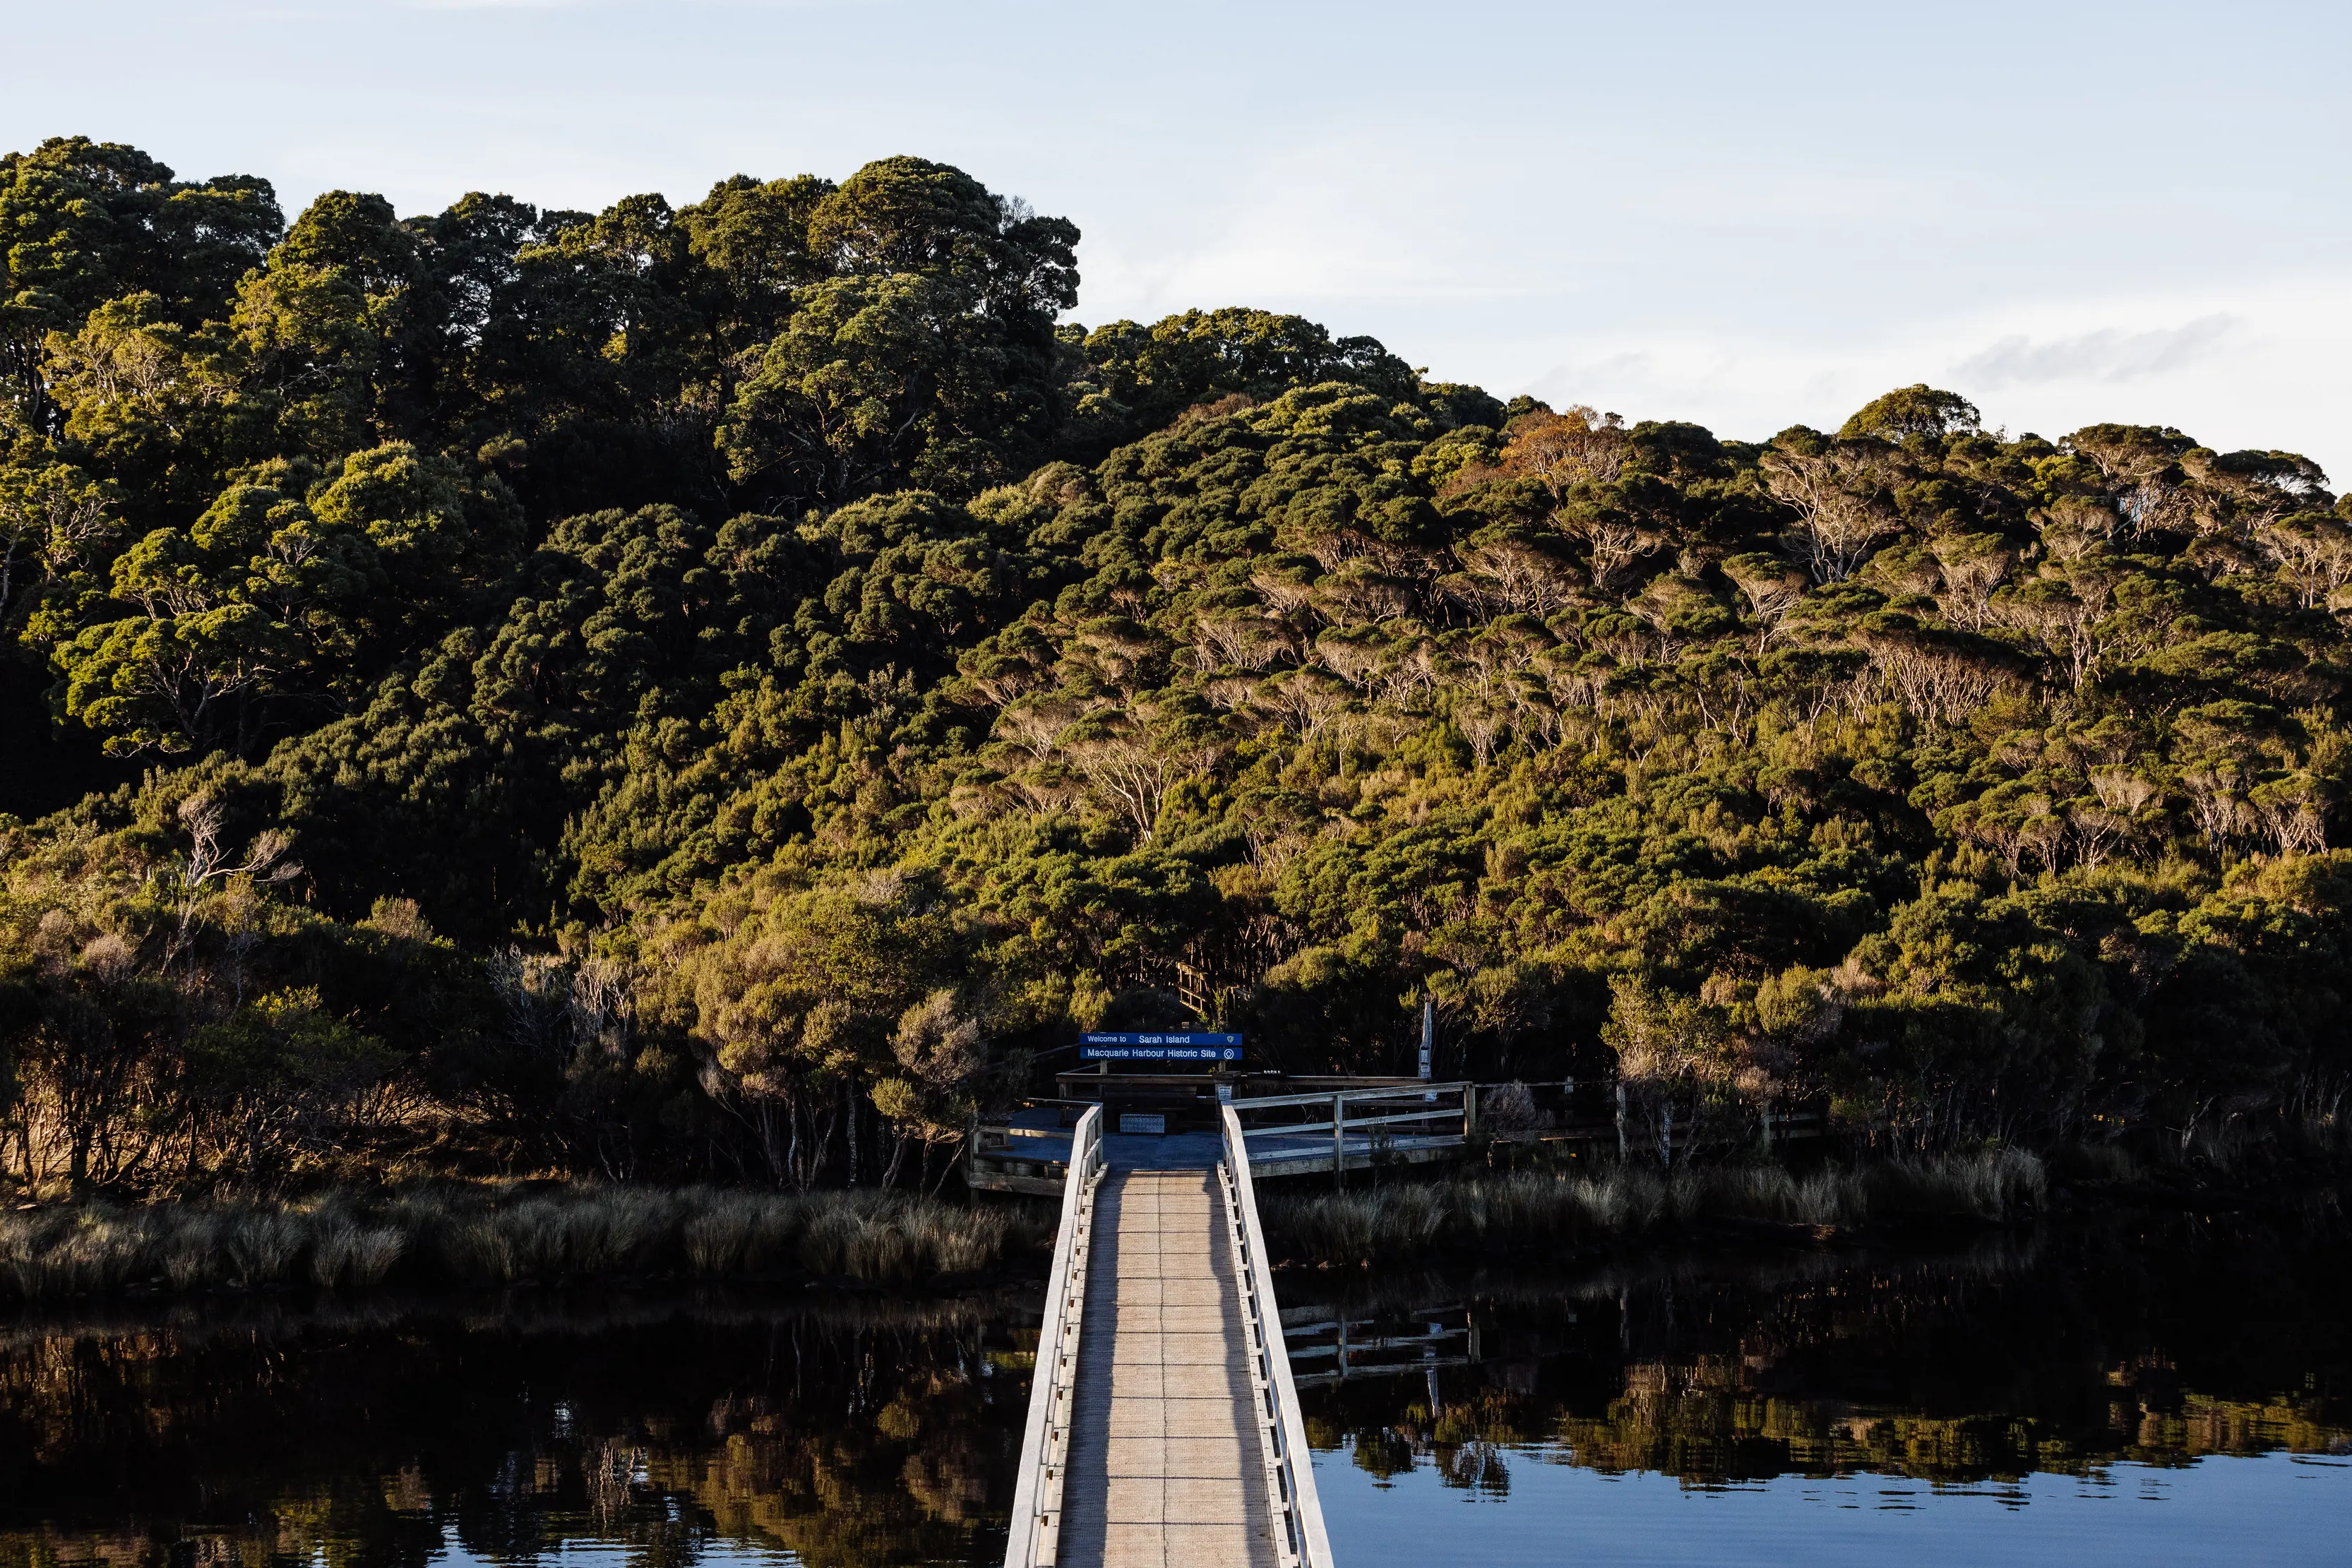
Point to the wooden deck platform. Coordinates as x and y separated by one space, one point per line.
1165 1465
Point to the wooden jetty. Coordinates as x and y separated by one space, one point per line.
1163 1422
1163 1418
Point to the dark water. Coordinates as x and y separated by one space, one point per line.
642 1432
2176 1391
2169 1392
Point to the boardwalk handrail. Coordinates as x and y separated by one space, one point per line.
1297 1512
1336 1130
1035 1537
1414 1090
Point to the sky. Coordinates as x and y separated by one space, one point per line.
1747 215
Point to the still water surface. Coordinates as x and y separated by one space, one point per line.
2160 1391
2173 1391
2275 1509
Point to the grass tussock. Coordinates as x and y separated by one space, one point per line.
1532 1208
489 1236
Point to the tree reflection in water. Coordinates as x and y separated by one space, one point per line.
2154 1341
387 1434
668 1431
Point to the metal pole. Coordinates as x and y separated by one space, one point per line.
1338 1140
1428 1043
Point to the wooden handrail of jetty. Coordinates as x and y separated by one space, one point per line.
1291 1498
1040 1485
1360 1128
1359 1124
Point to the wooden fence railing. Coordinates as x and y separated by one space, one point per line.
1355 1129
1380 1122
1295 1506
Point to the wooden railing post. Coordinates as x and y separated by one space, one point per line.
1339 1141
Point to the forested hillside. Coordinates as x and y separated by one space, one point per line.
712 691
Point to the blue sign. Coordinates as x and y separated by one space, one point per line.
1163 1047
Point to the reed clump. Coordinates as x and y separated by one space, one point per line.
1625 1202
896 1245
501 1236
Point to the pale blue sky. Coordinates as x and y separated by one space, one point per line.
1746 215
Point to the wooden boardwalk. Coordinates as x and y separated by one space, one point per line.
1166 1463
1164 1425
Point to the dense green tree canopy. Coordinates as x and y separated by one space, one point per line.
797 675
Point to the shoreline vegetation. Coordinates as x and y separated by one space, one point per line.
544 1233
905 1241
1558 1209
484 1237
1542 1213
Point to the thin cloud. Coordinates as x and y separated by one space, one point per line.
2109 355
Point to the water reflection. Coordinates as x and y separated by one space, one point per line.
658 1432
2020 1399
2155 1343
2202 1366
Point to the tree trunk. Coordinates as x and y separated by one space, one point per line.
849 1103
947 1168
